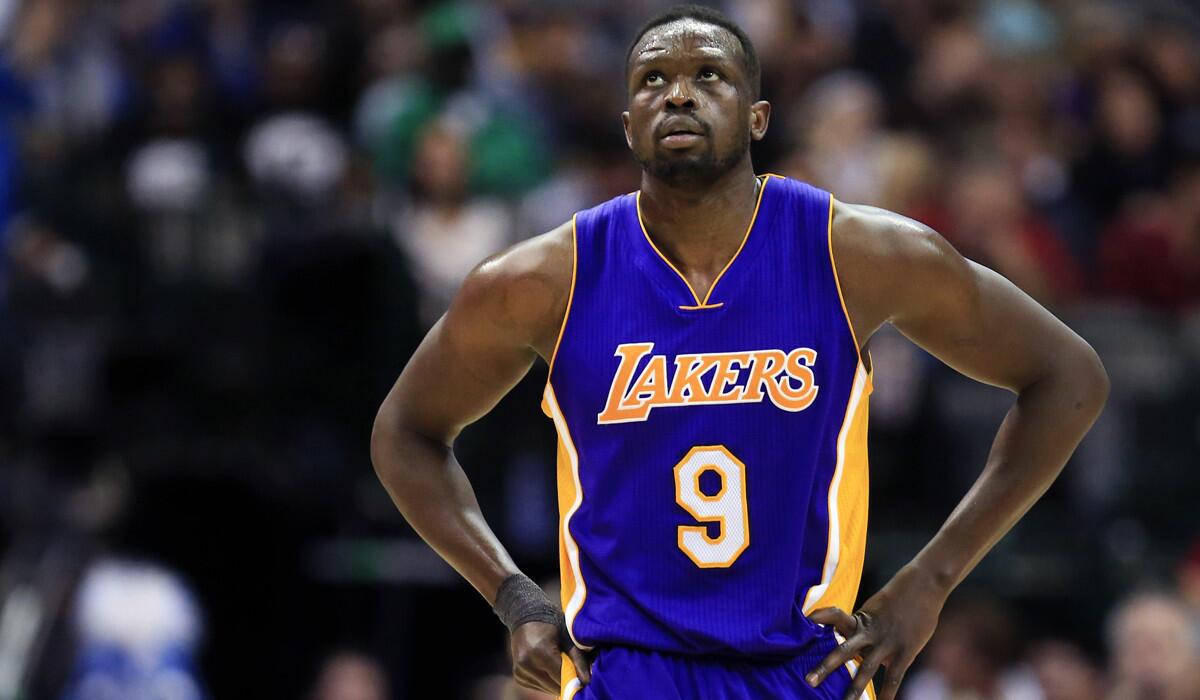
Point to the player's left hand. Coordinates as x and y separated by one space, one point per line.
537 651
889 630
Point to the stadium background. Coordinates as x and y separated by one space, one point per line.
225 224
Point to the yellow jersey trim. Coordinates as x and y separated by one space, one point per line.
570 497
837 281
846 537
568 679
703 303
570 296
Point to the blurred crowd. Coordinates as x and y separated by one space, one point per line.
225 224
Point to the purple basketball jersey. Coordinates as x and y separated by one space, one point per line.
712 449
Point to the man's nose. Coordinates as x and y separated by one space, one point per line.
680 96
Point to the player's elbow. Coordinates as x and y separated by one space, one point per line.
1088 381
1100 381
388 435
400 444
383 439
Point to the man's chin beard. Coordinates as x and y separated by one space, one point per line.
703 170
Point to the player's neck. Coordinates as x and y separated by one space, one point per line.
690 213
690 219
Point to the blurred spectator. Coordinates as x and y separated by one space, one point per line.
1188 579
950 78
842 115
1064 672
507 156
591 175
68 52
232 55
446 231
1130 151
393 57
139 633
1018 27
846 150
1154 643
296 155
504 688
52 295
348 675
989 221
1150 254
1173 56
295 67
971 657
46 267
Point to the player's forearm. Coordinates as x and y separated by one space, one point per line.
1033 444
429 487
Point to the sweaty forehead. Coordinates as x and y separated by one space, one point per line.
686 36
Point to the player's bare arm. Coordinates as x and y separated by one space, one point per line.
896 270
507 313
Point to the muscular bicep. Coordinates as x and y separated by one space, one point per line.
965 314
990 331
505 314
457 375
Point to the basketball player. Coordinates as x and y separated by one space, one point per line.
708 380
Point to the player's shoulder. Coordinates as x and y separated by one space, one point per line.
863 232
526 286
888 265
545 256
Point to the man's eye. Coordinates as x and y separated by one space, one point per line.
654 78
709 75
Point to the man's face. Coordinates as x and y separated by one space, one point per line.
690 115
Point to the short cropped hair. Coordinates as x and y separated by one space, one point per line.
705 15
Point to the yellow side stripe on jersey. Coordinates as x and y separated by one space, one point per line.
852 501
570 683
847 509
570 497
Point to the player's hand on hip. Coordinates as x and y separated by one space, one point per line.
537 649
889 630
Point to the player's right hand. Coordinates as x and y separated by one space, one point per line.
537 657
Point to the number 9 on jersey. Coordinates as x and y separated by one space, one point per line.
727 507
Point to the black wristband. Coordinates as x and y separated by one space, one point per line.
520 600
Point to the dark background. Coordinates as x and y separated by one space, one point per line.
225 224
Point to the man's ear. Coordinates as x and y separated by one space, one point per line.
628 133
760 115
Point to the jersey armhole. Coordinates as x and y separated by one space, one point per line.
566 313
865 363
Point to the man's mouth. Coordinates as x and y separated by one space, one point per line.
680 139
680 136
